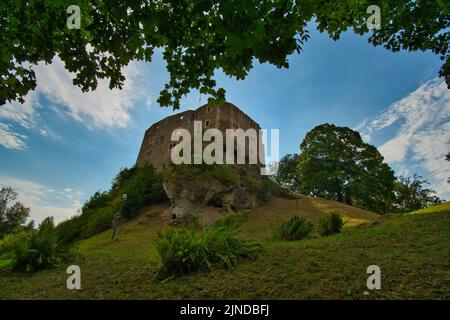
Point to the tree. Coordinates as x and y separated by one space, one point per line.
412 195
13 215
33 249
288 175
197 37
336 164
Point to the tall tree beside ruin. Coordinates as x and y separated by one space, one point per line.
336 164
288 174
197 37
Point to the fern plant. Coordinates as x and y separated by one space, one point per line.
184 250
296 228
330 224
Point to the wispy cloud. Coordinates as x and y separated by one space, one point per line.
422 122
149 102
23 114
46 132
102 108
11 140
44 201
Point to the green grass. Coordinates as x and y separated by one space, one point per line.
438 208
4 263
412 251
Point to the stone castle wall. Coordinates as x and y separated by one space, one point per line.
157 145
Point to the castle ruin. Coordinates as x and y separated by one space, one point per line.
156 146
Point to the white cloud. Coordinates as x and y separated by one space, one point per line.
395 150
102 108
21 113
429 148
148 102
43 201
362 125
46 132
11 140
423 134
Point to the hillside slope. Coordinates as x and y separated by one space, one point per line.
411 250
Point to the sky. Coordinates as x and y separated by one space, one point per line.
62 145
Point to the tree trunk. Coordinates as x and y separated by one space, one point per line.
339 196
348 199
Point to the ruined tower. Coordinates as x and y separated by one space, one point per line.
157 145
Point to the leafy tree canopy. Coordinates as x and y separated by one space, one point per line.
411 194
287 174
335 163
197 37
13 215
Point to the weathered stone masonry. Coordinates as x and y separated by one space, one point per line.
157 145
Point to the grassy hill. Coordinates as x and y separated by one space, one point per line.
412 251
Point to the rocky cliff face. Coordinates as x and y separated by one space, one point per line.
211 192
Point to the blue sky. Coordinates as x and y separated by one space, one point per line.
62 145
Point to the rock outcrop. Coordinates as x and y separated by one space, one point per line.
212 192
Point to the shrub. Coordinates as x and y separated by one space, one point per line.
70 230
181 251
17 248
330 224
184 250
43 247
91 222
123 177
252 183
144 188
225 174
264 191
98 222
32 250
293 229
224 247
98 200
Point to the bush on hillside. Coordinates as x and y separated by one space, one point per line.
89 223
223 173
16 247
293 229
264 190
143 187
122 178
33 250
330 224
70 230
246 177
251 183
98 222
99 199
184 250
